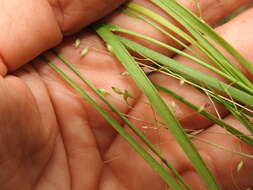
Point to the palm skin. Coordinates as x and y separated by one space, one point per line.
52 139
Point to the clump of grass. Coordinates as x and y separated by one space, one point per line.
237 97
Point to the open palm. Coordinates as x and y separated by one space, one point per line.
51 139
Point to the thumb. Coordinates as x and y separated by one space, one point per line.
30 27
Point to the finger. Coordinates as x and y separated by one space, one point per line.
30 27
32 135
24 36
72 15
212 11
191 120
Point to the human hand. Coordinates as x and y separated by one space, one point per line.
30 27
64 144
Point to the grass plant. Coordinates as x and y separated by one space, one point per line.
209 50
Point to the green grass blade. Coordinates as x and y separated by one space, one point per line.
234 110
158 103
209 116
161 20
142 152
223 148
242 118
164 22
139 16
190 74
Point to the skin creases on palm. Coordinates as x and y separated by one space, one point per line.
51 139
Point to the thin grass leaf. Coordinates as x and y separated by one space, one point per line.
161 20
234 111
223 148
157 103
209 116
189 73
121 116
142 152
139 16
